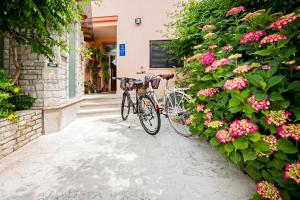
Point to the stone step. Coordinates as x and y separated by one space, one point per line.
102 98
99 112
95 105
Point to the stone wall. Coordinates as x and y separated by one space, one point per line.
15 135
48 82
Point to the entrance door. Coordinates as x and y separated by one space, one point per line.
113 73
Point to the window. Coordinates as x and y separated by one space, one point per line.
160 57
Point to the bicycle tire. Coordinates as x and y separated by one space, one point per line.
125 113
181 117
153 111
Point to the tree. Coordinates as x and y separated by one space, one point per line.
37 23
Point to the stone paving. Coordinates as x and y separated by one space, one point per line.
108 159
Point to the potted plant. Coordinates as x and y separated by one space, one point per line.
106 73
89 86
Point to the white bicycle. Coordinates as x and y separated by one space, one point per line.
175 102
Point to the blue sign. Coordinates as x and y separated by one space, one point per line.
122 49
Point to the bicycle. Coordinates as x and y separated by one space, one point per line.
175 102
143 106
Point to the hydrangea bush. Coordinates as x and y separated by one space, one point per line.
246 90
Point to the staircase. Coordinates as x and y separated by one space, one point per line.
100 105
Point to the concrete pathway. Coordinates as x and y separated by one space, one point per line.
107 159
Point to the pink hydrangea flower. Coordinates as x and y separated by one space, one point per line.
200 108
266 67
250 16
228 48
207 58
252 36
283 21
268 191
272 38
208 27
296 68
235 11
278 117
223 136
208 118
213 46
214 66
292 171
236 84
209 92
259 105
242 69
242 127
272 142
289 130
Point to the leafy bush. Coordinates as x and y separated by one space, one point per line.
22 101
246 87
11 99
7 90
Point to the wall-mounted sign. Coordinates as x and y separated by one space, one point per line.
52 64
122 49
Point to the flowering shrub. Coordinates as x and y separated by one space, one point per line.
246 91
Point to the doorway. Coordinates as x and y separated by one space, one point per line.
113 73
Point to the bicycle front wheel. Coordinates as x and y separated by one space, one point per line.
148 114
125 107
177 112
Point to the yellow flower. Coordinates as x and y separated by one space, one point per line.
235 56
250 16
16 90
10 117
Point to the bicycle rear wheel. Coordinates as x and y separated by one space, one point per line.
148 115
177 112
125 107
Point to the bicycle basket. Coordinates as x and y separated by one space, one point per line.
155 82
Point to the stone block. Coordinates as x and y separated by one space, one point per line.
39 121
38 116
36 126
9 144
39 130
29 77
21 138
35 136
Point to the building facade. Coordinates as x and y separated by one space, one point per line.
133 27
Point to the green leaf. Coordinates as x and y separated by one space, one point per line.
274 80
264 52
249 155
294 86
275 96
206 78
257 80
255 196
266 175
240 143
228 147
261 146
287 146
235 157
253 173
255 137
280 155
214 141
296 112
234 102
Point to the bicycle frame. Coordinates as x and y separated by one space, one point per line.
167 92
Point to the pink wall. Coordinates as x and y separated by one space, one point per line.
137 37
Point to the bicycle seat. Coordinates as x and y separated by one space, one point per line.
167 76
